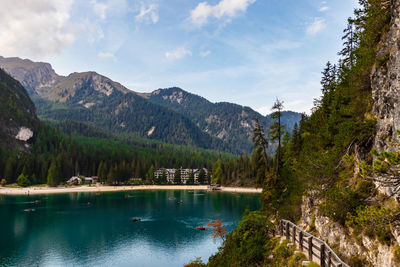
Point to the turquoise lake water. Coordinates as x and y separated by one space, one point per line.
64 230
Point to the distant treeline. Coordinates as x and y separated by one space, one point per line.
54 158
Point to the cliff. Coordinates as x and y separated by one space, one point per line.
385 84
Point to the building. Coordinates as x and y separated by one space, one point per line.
74 180
185 173
91 180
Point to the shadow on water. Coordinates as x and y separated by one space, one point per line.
92 228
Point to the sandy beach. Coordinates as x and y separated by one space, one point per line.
106 188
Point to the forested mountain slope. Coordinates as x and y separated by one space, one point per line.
92 98
230 122
33 153
170 115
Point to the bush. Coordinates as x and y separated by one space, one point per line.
357 261
339 202
23 180
372 221
245 245
196 263
396 254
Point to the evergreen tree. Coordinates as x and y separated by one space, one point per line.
202 176
23 180
102 172
259 156
163 179
217 172
150 176
9 172
276 130
53 174
190 181
177 176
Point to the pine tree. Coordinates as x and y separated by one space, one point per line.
177 176
53 174
217 172
202 176
190 181
259 156
163 179
276 130
150 176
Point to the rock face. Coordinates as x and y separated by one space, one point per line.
18 121
340 238
385 83
24 134
34 76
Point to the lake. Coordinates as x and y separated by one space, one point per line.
92 229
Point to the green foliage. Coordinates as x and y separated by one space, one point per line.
196 263
150 176
339 202
357 261
217 172
23 180
202 176
372 221
53 175
277 131
396 254
177 177
245 245
190 181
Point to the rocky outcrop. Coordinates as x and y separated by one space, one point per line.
385 83
341 238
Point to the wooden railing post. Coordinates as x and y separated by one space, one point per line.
294 235
301 240
326 254
322 255
287 230
329 258
310 248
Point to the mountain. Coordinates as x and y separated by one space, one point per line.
230 122
95 99
170 115
18 121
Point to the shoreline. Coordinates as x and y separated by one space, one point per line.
107 188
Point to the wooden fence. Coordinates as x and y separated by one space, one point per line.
316 248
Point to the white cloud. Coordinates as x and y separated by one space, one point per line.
35 29
99 8
324 8
225 8
178 53
205 53
106 55
316 27
148 14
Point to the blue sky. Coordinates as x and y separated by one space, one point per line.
243 51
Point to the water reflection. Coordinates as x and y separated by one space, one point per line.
65 230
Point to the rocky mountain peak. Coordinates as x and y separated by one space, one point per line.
34 76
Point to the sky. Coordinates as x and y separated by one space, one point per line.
248 52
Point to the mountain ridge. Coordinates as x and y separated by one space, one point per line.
171 115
